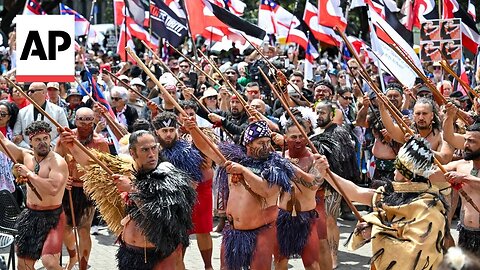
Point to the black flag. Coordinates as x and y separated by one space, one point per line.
166 24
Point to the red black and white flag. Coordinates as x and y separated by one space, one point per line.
214 22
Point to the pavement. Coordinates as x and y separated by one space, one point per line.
103 252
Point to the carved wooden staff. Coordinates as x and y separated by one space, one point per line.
173 101
312 147
10 155
55 123
400 120
309 104
446 66
61 129
116 129
183 84
195 65
175 76
139 94
239 96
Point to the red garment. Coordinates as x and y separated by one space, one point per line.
202 214
53 243
21 105
322 216
4 131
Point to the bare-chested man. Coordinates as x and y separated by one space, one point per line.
40 225
254 187
83 207
426 123
465 173
384 148
301 223
159 205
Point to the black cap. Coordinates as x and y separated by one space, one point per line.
424 89
456 94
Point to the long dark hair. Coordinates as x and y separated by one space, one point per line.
12 110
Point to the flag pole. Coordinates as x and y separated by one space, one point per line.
115 27
125 30
190 31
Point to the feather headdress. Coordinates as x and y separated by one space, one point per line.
415 160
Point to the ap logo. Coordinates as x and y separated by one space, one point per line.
45 48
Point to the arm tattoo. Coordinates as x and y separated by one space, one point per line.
318 181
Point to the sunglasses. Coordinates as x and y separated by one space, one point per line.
353 68
116 98
85 119
230 72
253 92
347 98
212 98
31 91
341 76
4 114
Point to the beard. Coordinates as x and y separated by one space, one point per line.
423 125
261 153
471 155
323 122
167 144
42 149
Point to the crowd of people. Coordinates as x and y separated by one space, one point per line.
192 139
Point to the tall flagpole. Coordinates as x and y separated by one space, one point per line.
90 20
182 2
125 30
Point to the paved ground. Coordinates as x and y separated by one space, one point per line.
103 252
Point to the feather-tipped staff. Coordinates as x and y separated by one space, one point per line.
400 120
312 147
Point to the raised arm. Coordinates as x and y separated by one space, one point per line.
361 119
454 139
17 152
392 128
190 124
445 153
354 192
66 139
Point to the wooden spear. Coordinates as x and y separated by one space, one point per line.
239 96
195 65
10 155
314 149
401 122
183 84
116 129
309 104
